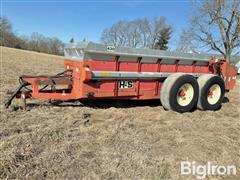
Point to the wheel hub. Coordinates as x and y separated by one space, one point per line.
214 94
181 94
185 94
210 93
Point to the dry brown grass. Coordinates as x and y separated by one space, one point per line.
116 141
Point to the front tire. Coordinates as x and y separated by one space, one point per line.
211 92
179 92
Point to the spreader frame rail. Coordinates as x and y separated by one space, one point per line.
121 75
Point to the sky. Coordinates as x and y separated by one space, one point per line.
87 19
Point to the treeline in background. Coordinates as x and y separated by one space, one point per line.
152 33
36 42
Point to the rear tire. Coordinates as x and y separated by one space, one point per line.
179 92
211 92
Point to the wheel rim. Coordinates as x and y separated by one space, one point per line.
214 94
185 94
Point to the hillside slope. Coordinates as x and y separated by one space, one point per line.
116 140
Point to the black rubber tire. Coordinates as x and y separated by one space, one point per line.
205 82
170 88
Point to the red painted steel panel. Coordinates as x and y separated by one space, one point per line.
125 66
149 67
168 67
102 65
185 68
201 69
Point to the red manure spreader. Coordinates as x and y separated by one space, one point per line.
181 81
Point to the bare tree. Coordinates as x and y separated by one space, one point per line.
145 32
55 46
40 43
185 42
7 37
137 33
5 24
216 25
116 34
36 42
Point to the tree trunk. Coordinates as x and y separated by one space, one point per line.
228 57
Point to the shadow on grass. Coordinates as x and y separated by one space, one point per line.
225 100
100 104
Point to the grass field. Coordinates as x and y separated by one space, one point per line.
120 140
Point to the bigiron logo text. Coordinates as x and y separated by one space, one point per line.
208 169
